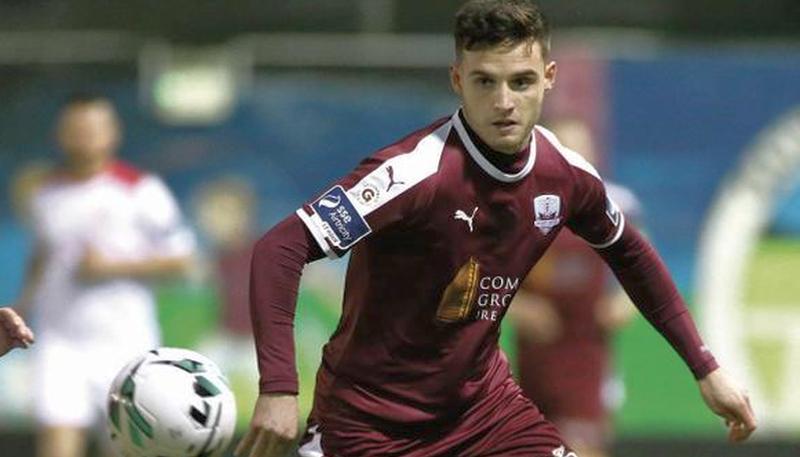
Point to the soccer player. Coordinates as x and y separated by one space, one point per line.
226 211
14 333
564 315
103 231
442 226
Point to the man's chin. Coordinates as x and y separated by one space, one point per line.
507 146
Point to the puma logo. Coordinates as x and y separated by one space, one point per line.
462 216
392 182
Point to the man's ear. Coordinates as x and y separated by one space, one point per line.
550 71
455 79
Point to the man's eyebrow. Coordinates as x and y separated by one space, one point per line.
525 73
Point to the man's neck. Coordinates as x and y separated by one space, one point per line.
499 159
86 170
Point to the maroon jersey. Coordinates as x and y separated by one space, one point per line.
441 239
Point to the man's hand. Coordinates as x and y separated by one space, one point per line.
273 427
730 402
13 331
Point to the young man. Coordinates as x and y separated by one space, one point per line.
443 225
103 229
14 333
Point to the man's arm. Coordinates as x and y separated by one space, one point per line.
159 219
535 318
13 331
33 276
318 229
95 267
645 278
277 265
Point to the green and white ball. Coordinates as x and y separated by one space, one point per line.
171 402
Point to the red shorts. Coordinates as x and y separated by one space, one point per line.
502 424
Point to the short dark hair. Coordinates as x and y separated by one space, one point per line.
488 23
77 99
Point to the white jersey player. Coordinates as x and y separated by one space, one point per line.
103 230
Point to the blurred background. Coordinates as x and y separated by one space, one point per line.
246 109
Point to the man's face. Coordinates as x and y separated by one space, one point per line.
88 133
501 90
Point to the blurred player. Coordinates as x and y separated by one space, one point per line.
226 213
14 333
564 315
443 226
103 230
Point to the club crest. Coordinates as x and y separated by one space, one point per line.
546 212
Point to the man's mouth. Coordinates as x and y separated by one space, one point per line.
504 123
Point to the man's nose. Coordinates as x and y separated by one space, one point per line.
504 98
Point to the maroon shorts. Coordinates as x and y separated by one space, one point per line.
504 423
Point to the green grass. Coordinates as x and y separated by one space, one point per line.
662 396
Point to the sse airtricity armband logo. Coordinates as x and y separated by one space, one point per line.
340 220
613 212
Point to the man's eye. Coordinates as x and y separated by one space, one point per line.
485 82
523 83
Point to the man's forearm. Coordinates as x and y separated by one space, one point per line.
33 276
156 268
277 264
95 267
647 281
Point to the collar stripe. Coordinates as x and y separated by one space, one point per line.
487 166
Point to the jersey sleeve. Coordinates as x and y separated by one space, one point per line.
161 219
384 190
595 217
645 277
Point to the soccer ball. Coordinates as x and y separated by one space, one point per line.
171 403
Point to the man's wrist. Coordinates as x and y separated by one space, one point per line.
702 372
285 387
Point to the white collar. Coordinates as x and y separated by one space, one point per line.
484 163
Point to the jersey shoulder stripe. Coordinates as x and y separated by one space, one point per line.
338 218
572 157
125 173
400 173
119 171
611 210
